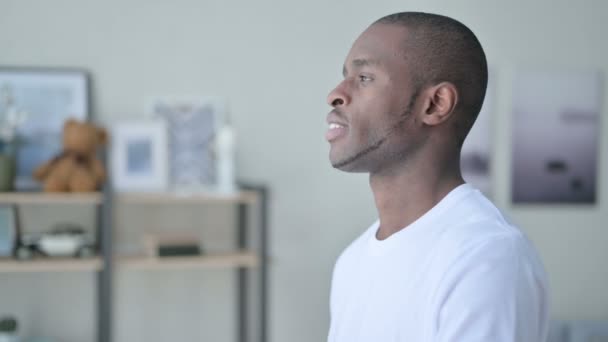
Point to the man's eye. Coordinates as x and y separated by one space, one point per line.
364 78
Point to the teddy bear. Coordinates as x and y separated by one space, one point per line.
76 168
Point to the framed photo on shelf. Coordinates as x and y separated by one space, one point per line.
192 125
139 156
48 96
8 230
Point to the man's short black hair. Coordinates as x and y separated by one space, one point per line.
441 49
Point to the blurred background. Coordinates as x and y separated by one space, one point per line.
275 62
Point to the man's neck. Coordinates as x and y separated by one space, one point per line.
406 192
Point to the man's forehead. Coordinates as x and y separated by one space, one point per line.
379 41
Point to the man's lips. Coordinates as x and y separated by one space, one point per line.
335 131
337 127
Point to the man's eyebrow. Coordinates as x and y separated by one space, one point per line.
361 62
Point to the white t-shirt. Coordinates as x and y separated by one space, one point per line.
460 273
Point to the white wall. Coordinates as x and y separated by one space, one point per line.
276 61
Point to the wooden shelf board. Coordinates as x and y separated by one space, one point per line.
227 260
50 198
51 265
171 197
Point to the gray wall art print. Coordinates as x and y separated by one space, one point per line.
555 136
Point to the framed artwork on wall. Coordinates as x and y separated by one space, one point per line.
555 136
48 96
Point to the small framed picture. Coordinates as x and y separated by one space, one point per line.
8 230
192 127
47 97
139 160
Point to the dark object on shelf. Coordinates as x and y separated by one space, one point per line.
171 244
8 325
178 250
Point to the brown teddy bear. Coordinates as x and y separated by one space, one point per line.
77 168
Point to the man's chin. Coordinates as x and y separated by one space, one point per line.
346 165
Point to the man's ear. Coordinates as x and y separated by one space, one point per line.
441 101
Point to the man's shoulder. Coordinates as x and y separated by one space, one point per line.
474 231
475 220
477 228
488 243
482 237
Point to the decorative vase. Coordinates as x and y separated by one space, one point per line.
7 173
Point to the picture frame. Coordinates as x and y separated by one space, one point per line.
139 156
556 116
8 231
49 96
193 123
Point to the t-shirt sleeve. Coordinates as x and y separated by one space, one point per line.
496 291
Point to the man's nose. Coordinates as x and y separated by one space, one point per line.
338 97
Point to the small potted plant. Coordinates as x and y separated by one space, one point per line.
11 118
8 329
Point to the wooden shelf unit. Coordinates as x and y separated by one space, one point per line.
106 264
51 265
243 260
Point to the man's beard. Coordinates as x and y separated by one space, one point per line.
377 143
